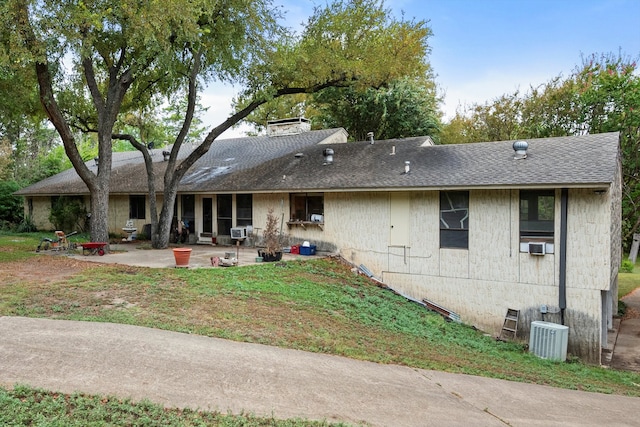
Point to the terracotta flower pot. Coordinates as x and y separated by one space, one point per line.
182 256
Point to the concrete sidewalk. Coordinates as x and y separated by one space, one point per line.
181 370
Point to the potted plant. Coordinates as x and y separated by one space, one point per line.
272 248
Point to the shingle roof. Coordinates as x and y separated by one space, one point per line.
226 156
258 164
551 162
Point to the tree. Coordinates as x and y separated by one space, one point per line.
496 121
121 55
608 89
128 53
23 133
406 107
401 108
10 205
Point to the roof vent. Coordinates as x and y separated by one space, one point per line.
328 156
407 166
520 147
370 137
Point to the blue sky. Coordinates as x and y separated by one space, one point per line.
482 49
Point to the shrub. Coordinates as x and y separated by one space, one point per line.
11 207
68 214
627 266
26 225
271 234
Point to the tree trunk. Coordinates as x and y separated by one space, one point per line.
166 215
99 221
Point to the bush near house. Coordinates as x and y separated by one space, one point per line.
68 214
627 266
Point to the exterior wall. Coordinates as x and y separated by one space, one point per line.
396 236
279 202
119 214
358 224
615 200
481 283
41 212
292 234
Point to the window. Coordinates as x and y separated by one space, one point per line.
224 214
454 219
536 215
304 205
244 210
188 207
137 209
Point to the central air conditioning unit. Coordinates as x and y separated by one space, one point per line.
549 340
238 233
536 248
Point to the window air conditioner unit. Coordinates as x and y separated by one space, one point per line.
238 233
549 340
536 248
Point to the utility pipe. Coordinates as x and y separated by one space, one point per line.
562 297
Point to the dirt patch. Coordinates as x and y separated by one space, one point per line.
42 269
632 301
631 313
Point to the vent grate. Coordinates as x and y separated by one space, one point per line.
537 248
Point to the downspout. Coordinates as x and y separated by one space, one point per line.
562 297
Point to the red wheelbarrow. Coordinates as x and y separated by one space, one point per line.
92 248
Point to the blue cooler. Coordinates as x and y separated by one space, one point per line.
308 250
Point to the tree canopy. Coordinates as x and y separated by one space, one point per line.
404 107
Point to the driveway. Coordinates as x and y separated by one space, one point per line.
182 370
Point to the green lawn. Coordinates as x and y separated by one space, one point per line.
628 282
26 406
318 306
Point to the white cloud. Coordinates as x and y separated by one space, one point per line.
219 99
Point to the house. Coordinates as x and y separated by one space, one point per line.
477 228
